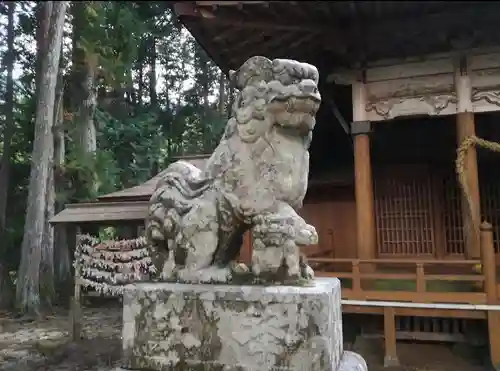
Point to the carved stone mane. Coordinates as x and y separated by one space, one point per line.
256 179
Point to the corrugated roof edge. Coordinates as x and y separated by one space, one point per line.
102 212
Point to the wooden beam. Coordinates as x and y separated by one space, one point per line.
246 44
294 45
253 46
458 16
377 29
409 87
186 9
336 112
378 38
228 31
277 40
454 29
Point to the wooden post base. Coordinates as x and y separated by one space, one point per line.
390 352
494 337
75 319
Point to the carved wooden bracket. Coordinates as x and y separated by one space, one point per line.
434 87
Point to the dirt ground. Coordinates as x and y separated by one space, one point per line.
43 346
422 357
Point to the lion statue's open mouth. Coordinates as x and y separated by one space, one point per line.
296 112
255 180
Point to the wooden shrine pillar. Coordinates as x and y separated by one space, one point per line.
465 127
363 183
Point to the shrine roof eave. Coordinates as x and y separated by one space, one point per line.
336 33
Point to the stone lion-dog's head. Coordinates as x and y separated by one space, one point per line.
279 93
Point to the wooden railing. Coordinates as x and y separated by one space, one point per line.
375 279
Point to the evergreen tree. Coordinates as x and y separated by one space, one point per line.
130 90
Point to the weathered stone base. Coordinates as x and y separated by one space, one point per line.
177 327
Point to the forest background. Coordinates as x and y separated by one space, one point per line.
94 97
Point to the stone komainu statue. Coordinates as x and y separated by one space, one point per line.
256 179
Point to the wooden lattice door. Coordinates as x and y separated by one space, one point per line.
404 212
452 216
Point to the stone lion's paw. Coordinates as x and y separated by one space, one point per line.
308 273
307 236
239 268
314 239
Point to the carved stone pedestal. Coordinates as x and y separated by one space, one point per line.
170 326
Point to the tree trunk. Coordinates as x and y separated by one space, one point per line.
203 81
206 92
152 73
132 94
86 126
183 69
61 249
35 251
43 14
5 280
47 252
85 99
230 101
140 67
9 118
47 287
222 93
6 289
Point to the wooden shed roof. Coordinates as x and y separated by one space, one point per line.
126 205
145 190
102 212
336 33
139 192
